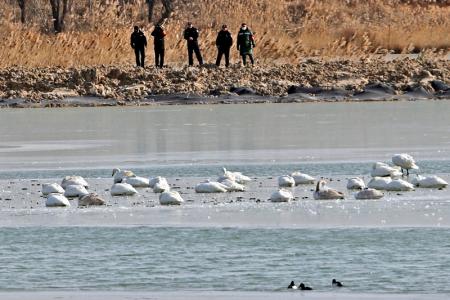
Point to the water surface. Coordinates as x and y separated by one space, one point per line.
167 259
261 133
230 242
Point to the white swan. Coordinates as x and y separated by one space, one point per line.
155 180
161 186
380 169
55 200
119 174
211 187
356 183
433 182
241 178
286 181
368 193
235 176
399 185
170 198
325 193
281 195
122 189
74 180
137 182
379 183
226 175
75 191
404 161
91 199
233 186
302 178
52 188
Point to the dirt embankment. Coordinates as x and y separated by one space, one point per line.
311 80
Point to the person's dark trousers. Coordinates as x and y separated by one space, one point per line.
193 47
226 52
244 59
159 57
140 56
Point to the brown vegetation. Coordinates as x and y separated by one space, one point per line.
97 31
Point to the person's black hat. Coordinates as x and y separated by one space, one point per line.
136 27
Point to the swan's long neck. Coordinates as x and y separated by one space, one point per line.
318 186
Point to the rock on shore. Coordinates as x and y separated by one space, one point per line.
311 80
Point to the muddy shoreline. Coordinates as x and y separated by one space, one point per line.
312 80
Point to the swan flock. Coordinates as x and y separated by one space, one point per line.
384 178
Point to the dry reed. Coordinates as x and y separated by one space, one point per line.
286 30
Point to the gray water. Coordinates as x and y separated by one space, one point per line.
268 133
170 259
213 170
216 243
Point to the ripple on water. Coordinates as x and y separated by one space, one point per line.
166 259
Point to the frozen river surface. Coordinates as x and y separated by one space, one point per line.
222 134
223 246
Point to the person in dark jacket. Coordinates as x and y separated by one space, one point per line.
224 42
158 37
138 43
245 44
191 36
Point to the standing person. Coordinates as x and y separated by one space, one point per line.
191 35
158 37
138 43
245 44
224 42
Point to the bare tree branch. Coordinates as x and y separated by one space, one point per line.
167 10
22 5
151 5
60 9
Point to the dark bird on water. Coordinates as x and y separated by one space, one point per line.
292 286
336 283
304 287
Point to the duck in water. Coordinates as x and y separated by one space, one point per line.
292 286
336 283
303 287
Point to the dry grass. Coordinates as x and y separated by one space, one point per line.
286 30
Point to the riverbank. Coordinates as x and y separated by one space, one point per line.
312 80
